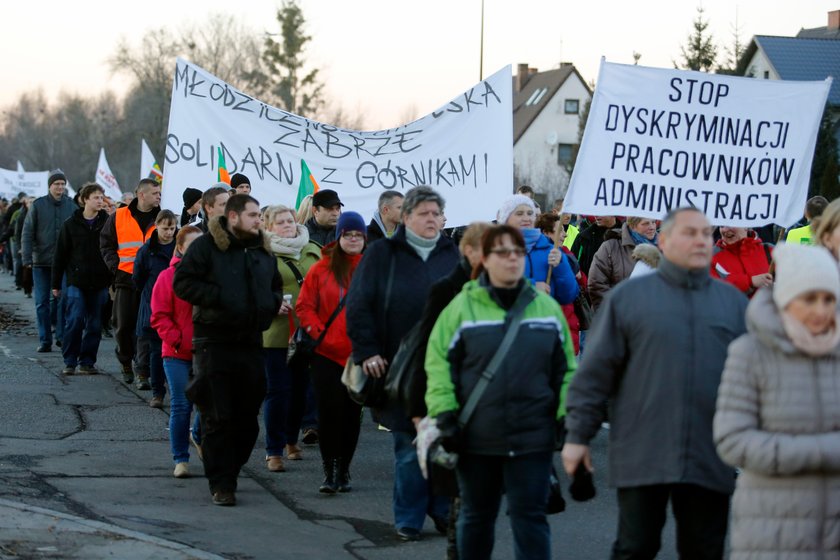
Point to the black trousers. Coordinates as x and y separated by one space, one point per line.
126 304
229 388
339 418
701 515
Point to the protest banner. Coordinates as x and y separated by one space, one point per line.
464 150
106 179
739 149
33 183
149 168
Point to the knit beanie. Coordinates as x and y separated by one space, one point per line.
191 196
801 269
238 179
350 221
511 204
57 176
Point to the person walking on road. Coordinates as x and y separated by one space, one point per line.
230 277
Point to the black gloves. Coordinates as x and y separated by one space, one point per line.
450 432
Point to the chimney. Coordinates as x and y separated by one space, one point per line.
531 72
834 20
521 76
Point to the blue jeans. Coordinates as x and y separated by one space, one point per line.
48 309
177 375
83 325
524 479
413 497
278 395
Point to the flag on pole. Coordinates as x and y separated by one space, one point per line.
20 167
106 179
222 176
149 168
308 184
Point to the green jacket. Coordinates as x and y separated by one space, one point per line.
277 335
516 413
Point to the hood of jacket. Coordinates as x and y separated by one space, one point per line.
224 239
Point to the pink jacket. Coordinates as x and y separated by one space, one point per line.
172 316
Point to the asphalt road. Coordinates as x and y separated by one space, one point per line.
90 448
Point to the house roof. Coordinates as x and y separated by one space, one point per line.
799 58
819 33
540 88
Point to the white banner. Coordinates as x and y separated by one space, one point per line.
106 179
464 150
739 149
149 168
33 183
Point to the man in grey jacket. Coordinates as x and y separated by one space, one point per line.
40 234
656 354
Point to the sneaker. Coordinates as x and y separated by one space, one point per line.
142 383
89 370
224 498
310 436
106 333
407 534
58 342
182 470
157 402
69 370
294 452
44 348
275 463
196 445
128 374
441 524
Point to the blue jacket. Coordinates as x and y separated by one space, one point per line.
152 259
564 286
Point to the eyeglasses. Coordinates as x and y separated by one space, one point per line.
353 235
505 252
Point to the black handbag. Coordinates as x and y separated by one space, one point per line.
302 346
404 366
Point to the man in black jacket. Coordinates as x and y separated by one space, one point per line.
590 239
326 208
77 255
231 278
387 216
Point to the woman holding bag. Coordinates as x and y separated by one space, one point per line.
323 292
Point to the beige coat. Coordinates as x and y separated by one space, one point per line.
612 263
778 420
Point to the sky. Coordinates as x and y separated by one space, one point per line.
390 60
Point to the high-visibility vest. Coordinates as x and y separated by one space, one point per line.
129 238
571 235
800 236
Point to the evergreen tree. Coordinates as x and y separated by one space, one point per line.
824 168
700 53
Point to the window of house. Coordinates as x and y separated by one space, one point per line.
564 153
571 106
536 96
767 74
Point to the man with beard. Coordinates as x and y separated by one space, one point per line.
230 277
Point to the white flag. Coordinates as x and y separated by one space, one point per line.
20 167
149 168
106 179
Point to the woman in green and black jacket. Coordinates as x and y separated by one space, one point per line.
508 442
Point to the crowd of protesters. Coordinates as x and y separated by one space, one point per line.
704 350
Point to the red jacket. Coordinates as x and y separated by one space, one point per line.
739 262
172 317
569 308
318 298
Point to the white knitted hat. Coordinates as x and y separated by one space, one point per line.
801 269
509 205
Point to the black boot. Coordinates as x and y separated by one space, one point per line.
329 486
342 475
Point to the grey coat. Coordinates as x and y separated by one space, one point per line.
41 228
778 419
656 352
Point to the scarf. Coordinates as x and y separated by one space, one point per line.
531 235
289 246
814 345
421 245
641 239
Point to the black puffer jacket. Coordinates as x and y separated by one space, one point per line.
77 254
322 235
373 331
233 284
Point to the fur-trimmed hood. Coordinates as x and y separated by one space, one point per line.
648 254
223 238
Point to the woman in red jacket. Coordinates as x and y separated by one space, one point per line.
172 319
339 418
741 259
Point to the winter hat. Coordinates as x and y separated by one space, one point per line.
57 176
801 269
191 196
511 204
350 221
238 179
